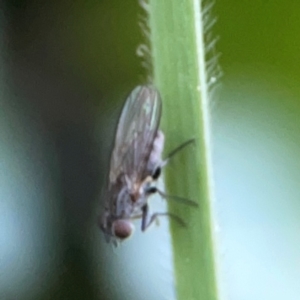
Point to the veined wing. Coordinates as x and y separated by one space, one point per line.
137 128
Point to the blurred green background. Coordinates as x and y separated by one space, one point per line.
66 67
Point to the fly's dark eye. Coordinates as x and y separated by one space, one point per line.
156 173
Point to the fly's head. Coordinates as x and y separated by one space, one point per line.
115 222
125 198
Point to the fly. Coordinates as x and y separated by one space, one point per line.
136 163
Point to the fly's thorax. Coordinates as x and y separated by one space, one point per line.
139 194
118 198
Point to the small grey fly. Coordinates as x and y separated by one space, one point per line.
136 164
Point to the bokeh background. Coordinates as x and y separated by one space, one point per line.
66 67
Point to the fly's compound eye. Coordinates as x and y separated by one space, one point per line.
122 229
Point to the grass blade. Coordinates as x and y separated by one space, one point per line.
178 53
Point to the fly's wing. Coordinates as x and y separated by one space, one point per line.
137 128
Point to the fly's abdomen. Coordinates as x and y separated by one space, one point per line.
156 153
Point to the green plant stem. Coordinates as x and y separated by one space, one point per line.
179 73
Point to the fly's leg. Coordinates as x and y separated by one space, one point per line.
148 220
157 170
136 217
176 150
153 190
